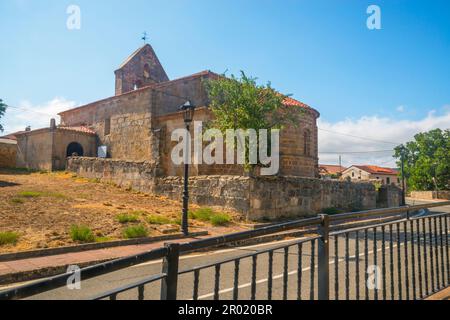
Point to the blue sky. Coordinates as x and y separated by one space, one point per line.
360 80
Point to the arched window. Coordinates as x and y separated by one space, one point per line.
307 143
146 71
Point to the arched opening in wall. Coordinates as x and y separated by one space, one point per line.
307 143
146 71
74 149
137 85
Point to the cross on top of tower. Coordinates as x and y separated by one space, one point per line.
144 37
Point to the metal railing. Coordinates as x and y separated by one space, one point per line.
408 259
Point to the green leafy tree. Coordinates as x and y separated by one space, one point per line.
427 160
241 103
2 112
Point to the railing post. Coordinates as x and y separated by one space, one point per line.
170 268
324 258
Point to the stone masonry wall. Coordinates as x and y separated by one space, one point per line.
254 198
431 195
8 155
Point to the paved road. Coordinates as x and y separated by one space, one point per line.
348 282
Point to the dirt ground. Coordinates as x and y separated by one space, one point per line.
63 200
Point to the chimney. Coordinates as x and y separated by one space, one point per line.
52 124
28 129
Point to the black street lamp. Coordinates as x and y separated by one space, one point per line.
188 113
402 154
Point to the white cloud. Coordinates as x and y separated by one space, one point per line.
376 128
401 108
37 116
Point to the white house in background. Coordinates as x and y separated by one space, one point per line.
386 176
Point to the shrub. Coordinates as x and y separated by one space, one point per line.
135 232
209 215
82 234
331 211
17 201
220 219
126 218
202 214
159 220
8 238
30 194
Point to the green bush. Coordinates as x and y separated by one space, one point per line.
135 232
159 220
82 234
209 215
8 238
202 214
17 201
331 211
220 219
126 218
30 194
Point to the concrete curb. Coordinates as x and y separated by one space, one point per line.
94 246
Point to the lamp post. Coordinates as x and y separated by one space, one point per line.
188 113
403 176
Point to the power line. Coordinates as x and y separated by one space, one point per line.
358 137
355 152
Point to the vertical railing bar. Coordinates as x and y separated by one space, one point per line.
347 267
196 282
313 268
323 259
357 280
444 284
447 249
285 273
405 231
217 282
419 259
399 263
375 258
430 231
141 293
436 254
299 271
413 259
336 267
366 258
236 279
391 260
169 283
425 258
254 265
270 277
383 260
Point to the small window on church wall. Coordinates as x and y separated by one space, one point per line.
307 143
107 126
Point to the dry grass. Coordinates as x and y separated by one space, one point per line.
42 208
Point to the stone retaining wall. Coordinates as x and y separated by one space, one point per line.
431 195
8 153
255 198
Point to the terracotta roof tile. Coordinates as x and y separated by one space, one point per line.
78 129
378 170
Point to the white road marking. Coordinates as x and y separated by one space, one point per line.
279 276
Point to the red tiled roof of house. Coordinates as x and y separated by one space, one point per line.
78 129
378 170
12 136
331 169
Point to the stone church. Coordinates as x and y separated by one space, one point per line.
136 124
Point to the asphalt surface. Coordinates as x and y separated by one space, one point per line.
349 283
